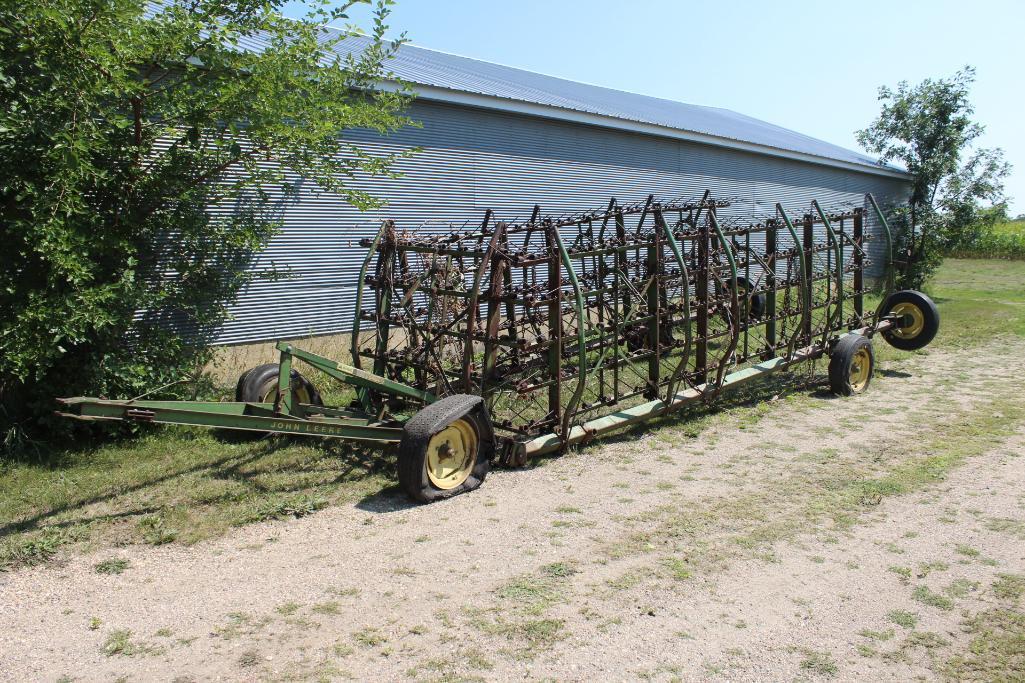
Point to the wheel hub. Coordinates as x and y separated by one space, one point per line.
451 455
917 320
861 370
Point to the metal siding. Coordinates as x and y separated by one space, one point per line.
475 159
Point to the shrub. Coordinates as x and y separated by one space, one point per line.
122 123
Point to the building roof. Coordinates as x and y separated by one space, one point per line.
446 77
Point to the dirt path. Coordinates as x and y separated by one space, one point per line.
788 540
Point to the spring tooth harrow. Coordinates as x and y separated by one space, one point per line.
510 340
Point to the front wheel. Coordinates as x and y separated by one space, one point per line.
446 449
918 320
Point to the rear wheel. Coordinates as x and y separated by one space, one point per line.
918 320
446 449
851 365
752 306
260 385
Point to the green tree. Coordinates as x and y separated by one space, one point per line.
124 126
929 129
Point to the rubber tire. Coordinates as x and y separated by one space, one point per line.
252 381
840 364
417 433
929 312
637 338
758 301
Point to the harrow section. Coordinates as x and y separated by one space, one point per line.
556 321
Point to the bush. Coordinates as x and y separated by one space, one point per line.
122 122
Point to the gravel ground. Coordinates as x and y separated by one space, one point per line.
665 556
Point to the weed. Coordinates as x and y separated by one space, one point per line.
903 618
288 506
961 588
925 596
677 567
37 548
114 565
326 608
119 643
903 572
996 651
966 550
542 632
249 659
369 637
1009 587
155 530
927 568
287 609
532 593
624 581
926 639
1014 527
559 570
876 635
821 663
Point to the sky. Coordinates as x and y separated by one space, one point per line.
814 67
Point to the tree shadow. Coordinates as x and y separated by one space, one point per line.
899 374
345 462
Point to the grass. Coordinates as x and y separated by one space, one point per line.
119 642
821 663
180 485
926 596
996 651
114 565
903 618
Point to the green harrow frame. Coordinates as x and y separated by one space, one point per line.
511 340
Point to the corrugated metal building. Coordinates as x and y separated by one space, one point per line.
500 138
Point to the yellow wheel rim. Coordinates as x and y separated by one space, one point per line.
917 320
861 369
299 394
451 454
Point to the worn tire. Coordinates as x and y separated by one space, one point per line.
926 320
451 415
756 309
847 372
258 384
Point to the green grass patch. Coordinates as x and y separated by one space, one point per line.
996 651
119 642
174 485
1009 587
926 596
114 565
821 663
903 618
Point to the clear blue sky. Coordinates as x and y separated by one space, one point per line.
811 66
